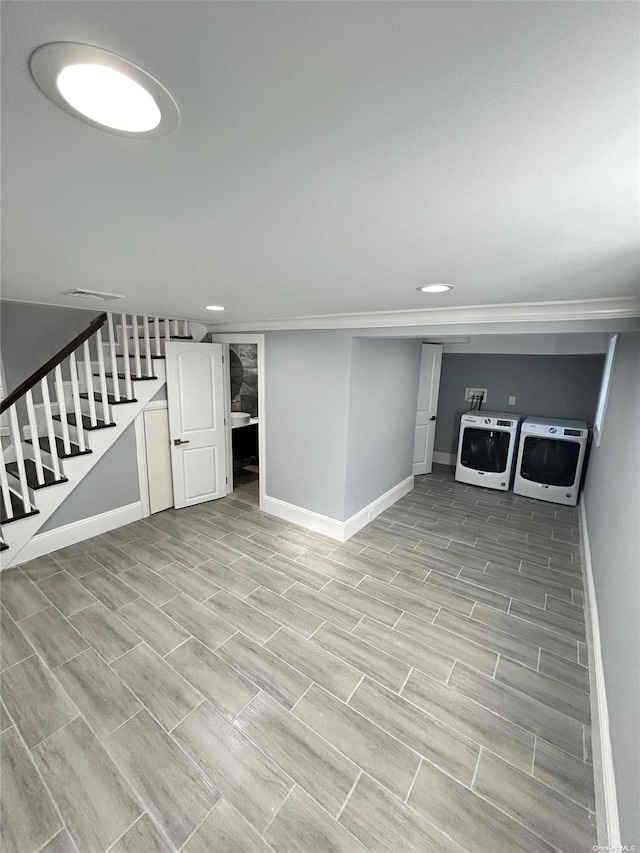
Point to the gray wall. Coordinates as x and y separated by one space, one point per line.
307 399
340 418
612 503
382 418
561 386
32 334
112 483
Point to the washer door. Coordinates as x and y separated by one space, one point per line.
549 461
485 449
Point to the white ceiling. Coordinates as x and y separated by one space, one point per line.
331 157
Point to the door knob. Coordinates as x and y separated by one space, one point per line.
432 418
180 441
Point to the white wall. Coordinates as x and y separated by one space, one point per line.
382 417
612 502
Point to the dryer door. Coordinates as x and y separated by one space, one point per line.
549 461
485 449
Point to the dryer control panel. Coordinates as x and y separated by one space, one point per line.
549 429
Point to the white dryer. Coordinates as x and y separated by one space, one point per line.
550 459
486 448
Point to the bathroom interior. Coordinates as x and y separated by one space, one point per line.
243 369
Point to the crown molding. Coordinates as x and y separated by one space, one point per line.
617 307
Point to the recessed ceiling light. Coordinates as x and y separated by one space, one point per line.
104 90
108 97
435 288
214 307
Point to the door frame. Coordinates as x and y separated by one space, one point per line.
259 340
437 351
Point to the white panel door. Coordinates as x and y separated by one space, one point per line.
195 392
428 389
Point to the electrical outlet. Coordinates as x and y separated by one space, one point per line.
470 393
512 401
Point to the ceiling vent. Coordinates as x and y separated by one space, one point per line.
96 295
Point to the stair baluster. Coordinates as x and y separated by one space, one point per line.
114 363
53 447
125 351
147 346
136 345
89 383
16 440
34 432
156 334
102 377
6 496
62 411
75 396
167 330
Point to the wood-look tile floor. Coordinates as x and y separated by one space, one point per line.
214 679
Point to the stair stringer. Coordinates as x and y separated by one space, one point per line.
18 533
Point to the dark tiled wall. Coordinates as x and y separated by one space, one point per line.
244 378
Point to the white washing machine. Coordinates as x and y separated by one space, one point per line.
486 448
550 459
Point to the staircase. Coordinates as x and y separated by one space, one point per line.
66 416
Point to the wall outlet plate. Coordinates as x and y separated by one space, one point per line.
470 393
512 401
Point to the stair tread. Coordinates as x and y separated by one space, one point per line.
134 378
75 449
32 475
162 337
86 422
18 510
110 398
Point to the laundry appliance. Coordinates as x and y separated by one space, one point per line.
550 459
486 448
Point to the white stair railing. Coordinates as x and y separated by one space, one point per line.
137 364
75 396
147 346
156 334
102 380
33 431
44 432
115 381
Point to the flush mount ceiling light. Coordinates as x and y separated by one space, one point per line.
435 288
104 90
214 307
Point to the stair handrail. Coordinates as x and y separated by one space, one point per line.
53 362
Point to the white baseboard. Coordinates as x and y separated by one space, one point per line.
444 458
305 517
607 821
78 531
331 527
364 516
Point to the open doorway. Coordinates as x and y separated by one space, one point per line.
244 365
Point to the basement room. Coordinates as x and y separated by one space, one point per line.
319 406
